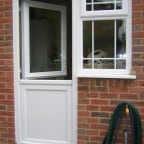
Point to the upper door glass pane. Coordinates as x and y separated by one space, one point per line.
96 5
45 40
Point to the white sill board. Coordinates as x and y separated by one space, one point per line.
106 76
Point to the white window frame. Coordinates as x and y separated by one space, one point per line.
26 4
124 13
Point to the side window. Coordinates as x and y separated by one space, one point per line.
43 40
106 37
104 44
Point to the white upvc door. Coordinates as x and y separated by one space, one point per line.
45 110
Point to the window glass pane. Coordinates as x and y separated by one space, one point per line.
88 1
45 42
121 44
118 4
104 4
121 64
121 38
87 64
87 38
104 44
104 64
104 39
89 7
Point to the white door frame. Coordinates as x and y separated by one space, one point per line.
16 51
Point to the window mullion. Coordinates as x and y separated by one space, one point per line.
115 4
92 5
92 44
115 39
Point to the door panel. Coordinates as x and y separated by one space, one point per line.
46 112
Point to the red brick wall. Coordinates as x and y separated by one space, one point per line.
97 98
6 74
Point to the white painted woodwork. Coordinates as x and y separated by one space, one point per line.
25 25
46 112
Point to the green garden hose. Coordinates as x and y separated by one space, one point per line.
116 121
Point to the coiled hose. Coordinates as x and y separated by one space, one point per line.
116 121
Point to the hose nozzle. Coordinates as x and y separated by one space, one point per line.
127 109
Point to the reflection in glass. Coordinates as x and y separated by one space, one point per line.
118 4
102 6
87 38
105 5
104 38
87 64
45 42
121 64
104 64
121 44
104 44
89 7
121 38
88 1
